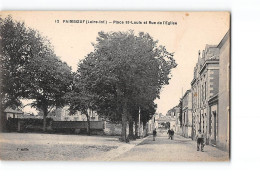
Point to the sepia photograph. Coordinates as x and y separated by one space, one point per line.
145 86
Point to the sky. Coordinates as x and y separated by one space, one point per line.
72 41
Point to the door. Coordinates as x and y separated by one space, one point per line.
215 126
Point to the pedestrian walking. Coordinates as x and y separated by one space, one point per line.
172 134
200 141
169 133
154 134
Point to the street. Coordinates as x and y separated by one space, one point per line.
164 149
29 146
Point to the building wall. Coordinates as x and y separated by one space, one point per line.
224 93
213 81
187 114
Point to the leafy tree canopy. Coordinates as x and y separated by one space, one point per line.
30 69
124 67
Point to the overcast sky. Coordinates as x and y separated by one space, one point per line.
193 31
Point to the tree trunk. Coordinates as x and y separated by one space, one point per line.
88 121
136 128
131 128
45 113
3 121
124 123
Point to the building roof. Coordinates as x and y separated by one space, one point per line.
15 111
224 39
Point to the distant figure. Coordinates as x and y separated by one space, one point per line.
154 134
169 133
200 141
172 134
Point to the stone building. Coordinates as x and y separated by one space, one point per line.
203 87
187 114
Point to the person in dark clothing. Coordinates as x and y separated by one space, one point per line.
172 134
154 134
200 141
169 133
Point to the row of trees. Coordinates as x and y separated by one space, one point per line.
120 78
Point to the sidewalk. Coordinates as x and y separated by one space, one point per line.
212 150
123 148
178 150
209 150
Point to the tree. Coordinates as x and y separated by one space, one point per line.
19 45
51 80
30 69
79 99
124 71
15 53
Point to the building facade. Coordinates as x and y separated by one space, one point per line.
13 113
203 87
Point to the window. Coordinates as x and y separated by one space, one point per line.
183 118
205 120
198 97
202 94
205 91
202 123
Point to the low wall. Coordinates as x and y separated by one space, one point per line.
29 124
36 125
94 125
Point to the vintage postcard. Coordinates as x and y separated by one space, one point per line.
115 86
